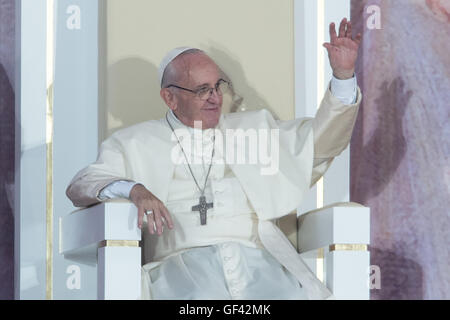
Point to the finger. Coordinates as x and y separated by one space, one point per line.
327 46
140 217
151 223
167 217
158 221
358 38
348 33
342 28
333 34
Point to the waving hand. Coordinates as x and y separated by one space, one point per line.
343 50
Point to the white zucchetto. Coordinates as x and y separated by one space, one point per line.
168 59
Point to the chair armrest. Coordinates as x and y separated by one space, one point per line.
106 235
334 242
84 230
344 223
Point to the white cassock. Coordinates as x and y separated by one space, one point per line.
240 253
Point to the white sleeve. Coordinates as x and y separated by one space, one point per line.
117 189
344 90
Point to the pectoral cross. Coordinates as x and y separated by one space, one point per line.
203 208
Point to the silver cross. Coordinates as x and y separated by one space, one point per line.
202 207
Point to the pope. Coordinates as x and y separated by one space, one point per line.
211 228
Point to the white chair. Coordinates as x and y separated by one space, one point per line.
334 243
332 240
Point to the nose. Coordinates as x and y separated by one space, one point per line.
214 97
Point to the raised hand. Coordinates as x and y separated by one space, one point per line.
343 50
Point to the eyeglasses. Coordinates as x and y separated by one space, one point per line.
204 93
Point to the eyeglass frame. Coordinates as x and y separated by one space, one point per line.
216 86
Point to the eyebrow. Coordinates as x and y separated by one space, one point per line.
201 86
206 84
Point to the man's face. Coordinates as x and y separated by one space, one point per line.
196 71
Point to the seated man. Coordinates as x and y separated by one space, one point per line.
220 240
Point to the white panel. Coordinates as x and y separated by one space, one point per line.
305 38
305 33
74 139
30 180
337 177
75 109
306 18
119 273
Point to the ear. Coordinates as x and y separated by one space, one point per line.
169 98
